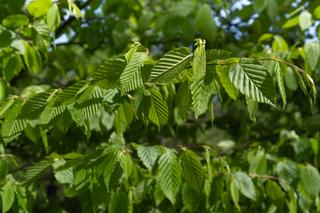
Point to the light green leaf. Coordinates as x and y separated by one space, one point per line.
316 12
192 170
158 111
291 22
15 21
39 8
53 17
7 195
148 155
234 191
170 65
305 20
222 72
279 44
312 53
253 80
169 174
131 78
245 185
310 180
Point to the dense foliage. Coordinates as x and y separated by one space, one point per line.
159 106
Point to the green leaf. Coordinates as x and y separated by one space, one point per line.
126 162
192 170
6 37
7 195
258 164
183 99
12 125
190 198
316 12
253 80
31 58
148 155
158 112
279 77
260 5
15 21
234 191
110 70
36 170
205 24
275 193
222 72
169 174
310 180
124 117
170 65
245 185
39 8
252 106
118 203
287 172
312 53
199 102
131 78
291 22
53 17
12 67
305 20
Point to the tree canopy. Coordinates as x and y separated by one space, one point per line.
159 106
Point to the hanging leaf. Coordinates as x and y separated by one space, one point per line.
312 52
310 180
275 193
252 108
170 65
158 111
199 103
148 155
36 170
222 72
279 77
53 17
118 203
7 195
245 185
192 170
253 80
169 174
305 20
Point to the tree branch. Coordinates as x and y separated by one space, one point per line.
67 22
